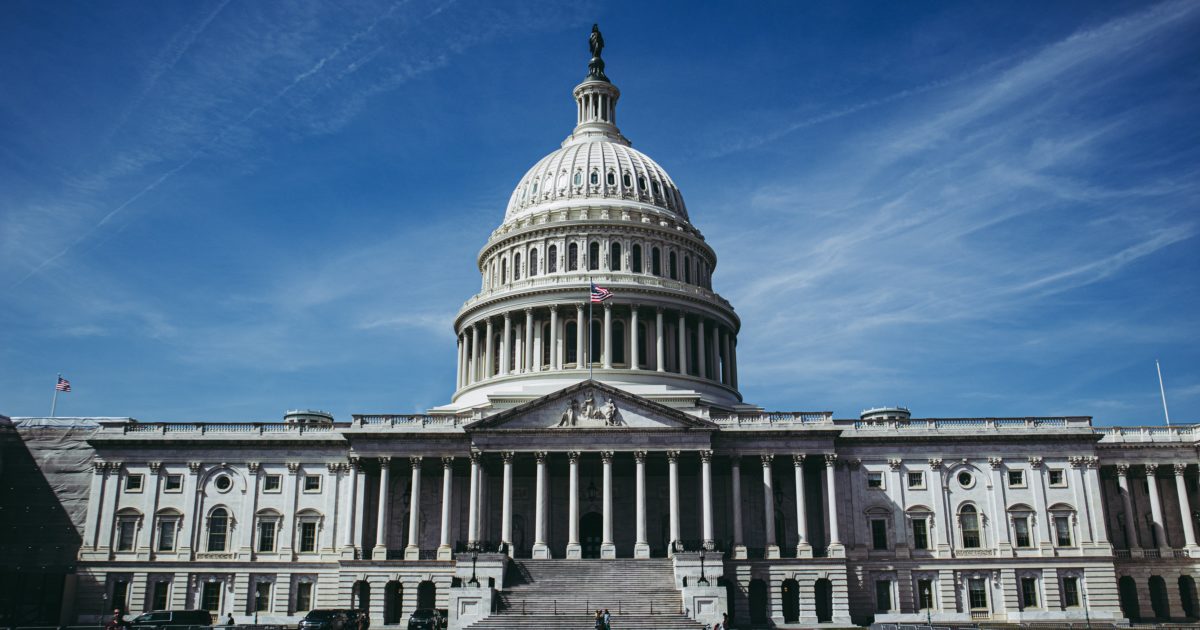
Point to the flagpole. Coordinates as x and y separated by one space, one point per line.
1163 392
54 401
589 325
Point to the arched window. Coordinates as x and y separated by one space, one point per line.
618 342
517 266
968 521
594 256
614 262
569 341
578 178
625 180
641 183
655 262
503 271
671 266
595 179
128 522
533 263
218 529
552 259
612 178
572 257
635 259
687 269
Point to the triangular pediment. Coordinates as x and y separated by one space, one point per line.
591 405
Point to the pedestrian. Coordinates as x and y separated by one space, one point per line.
599 620
117 622
229 620
607 620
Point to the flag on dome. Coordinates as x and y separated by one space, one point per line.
599 294
63 384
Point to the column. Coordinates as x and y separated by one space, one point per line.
673 483
540 549
539 346
574 551
733 361
941 526
506 345
831 494
641 547
458 365
682 351
999 505
769 506
1131 540
706 498
352 507
413 550
360 516
607 548
1078 485
555 358
381 522
607 364
701 355
1156 507
1092 476
474 375
444 548
473 502
489 348
1037 481
580 353
527 348
727 362
634 346
735 473
506 504
716 353
1185 507
803 545
660 358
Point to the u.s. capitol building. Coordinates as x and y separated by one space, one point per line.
614 464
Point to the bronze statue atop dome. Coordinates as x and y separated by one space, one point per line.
596 46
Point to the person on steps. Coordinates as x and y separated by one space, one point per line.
607 620
599 620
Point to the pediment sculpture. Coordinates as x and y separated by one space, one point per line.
589 413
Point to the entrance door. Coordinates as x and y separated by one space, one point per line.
824 596
591 529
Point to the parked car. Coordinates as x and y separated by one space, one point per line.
357 619
190 619
324 619
426 619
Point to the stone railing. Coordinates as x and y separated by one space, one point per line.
773 418
403 421
204 428
1181 434
967 424
580 280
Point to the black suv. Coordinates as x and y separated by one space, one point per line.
324 619
425 619
190 619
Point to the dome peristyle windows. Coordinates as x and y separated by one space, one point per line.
578 178
595 178
611 179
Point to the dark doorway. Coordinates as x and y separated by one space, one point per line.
362 596
392 602
591 528
1187 596
823 593
790 590
426 595
1158 597
758 601
1127 589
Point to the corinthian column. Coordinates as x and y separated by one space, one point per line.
574 551
540 549
803 545
673 482
413 550
706 498
488 363
1185 508
506 504
701 355
444 547
641 547
660 359
1160 532
682 351
831 494
1131 540
580 362
555 357
473 502
381 524
527 359
634 347
607 548
769 506
735 473
607 336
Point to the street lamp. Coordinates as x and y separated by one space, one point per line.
474 558
703 581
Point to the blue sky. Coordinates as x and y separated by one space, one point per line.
220 210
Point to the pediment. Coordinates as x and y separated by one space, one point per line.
590 405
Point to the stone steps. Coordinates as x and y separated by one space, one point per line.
585 622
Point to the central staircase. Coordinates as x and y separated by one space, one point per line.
565 594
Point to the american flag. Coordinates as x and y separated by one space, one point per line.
599 294
63 385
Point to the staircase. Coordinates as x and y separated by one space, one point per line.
565 594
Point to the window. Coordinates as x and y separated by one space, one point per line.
120 594
1070 592
920 533
572 346
655 262
977 593
654 186
595 178
1016 479
641 183
635 259
218 530
308 537
614 262
879 538
875 480
533 263
1021 536
618 342
965 479
916 480
516 266
266 534
625 180
1029 592
883 595
1058 478
925 594
611 178
160 593
133 483
210 596
262 597
578 179
1062 531
312 483
174 483
272 483
572 257
969 521
303 596
503 271
552 259
166 533
223 483
594 256
671 266
687 269
126 534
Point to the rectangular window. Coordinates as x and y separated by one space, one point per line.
126 531
1016 479
262 597
1062 530
916 480
173 483
1021 532
272 483
133 483
883 595
120 594
159 595
166 534
312 483
879 539
920 534
1058 478
977 593
303 596
875 480
308 537
1070 589
266 536
1029 592
210 596
925 594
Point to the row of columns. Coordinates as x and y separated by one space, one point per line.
1156 510
715 344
